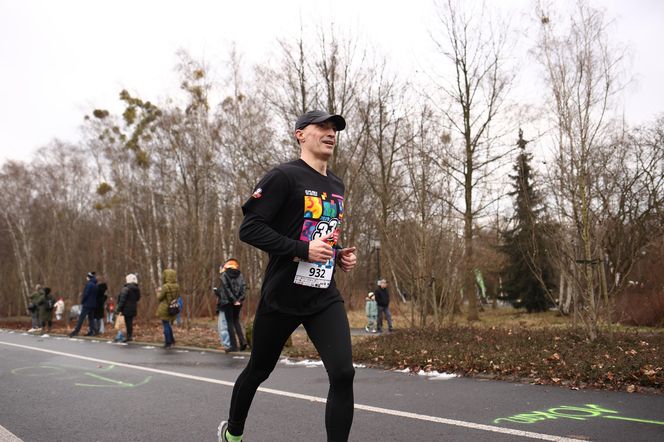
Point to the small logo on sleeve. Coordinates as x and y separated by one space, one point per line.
257 193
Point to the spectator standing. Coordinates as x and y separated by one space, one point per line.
88 305
222 325
46 302
101 304
383 302
371 309
59 309
166 294
233 289
128 306
34 309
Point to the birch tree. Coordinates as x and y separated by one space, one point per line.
582 72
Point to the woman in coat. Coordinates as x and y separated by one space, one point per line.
166 294
128 303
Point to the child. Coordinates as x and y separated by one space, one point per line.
371 310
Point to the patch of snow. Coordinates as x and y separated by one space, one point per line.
305 362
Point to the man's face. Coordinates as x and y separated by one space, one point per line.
383 285
318 139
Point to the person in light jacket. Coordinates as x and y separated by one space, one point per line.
166 294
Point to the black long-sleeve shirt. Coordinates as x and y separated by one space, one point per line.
292 205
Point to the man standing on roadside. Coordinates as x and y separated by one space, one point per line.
88 305
383 300
295 215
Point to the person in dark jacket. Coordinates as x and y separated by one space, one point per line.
383 302
88 305
45 303
222 325
128 304
233 290
101 302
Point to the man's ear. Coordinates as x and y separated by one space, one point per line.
299 135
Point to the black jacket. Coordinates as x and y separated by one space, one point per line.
101 300
382 297
128 299
232 288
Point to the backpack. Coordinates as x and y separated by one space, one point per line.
173 307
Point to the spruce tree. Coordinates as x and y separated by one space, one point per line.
528 273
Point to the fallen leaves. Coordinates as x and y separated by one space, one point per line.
574 362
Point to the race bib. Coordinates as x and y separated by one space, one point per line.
313 274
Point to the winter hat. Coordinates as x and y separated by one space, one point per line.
231 264
131 279
91 275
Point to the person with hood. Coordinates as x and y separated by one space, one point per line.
128 306
166 294
46 302
371 310
233 290
101 302
88 305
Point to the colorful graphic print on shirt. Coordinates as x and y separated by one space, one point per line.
322 215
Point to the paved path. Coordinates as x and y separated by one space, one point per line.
61 389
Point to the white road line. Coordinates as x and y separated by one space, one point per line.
387 411
8 436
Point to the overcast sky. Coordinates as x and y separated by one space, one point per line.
61 58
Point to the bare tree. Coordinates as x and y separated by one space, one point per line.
474 49
426 229
581 71
15 207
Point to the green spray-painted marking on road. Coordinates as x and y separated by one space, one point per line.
633 419
113 381
61 372
574 413
41 370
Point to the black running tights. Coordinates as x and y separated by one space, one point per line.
330 334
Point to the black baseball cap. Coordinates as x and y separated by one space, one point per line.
317 116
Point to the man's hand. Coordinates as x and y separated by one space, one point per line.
346 258
320 250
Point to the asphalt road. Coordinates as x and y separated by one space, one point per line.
61 389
